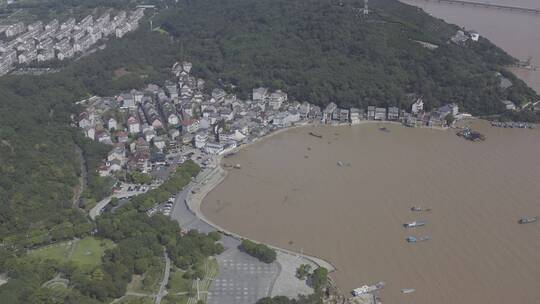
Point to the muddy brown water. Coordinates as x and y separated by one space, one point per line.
291 193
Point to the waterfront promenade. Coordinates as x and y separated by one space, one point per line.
242 278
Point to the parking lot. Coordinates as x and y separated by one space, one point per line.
242 279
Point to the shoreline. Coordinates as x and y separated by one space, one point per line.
214 176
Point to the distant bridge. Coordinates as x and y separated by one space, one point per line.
489 5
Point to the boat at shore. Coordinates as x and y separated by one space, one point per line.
528 220
315 134
414 224
471 135
413 239
419 209
407 290
367 289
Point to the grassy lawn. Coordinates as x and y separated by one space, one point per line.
57 252
86 253
169 299
136 300
177 283
152 278
148 283
136 284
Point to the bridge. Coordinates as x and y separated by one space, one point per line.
489 5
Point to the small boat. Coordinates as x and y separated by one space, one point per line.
340 163
315 134
412 239
237 166
419 209
407 290
527 220
414 224
367 289
384 129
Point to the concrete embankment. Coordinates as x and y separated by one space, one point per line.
207 180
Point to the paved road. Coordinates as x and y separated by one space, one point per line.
242 279
98 208
162 291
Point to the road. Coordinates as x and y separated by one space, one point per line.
98 208
162 291
82 179
242 278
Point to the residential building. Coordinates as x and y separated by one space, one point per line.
112 124
260 94
213 148
380 114
355 116
328 112
508 105
371 112
133 125
393 113
417 106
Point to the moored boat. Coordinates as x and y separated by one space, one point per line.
414 224
315 134
367 289
407 290
419 209
527 220
412 239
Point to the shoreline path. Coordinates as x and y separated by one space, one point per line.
242 279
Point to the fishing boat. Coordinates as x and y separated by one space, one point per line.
367 289
315 134
419 209
407 290
471 135
414 224
527 220
412 239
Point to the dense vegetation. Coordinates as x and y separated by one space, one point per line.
324 52
316 50
260 251
40 166
313 299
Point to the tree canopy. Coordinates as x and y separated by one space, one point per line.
325 51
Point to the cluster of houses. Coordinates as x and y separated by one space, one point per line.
41 42
461 37
144 125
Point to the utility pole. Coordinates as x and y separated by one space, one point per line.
366 8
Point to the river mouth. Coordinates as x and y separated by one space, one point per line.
291 192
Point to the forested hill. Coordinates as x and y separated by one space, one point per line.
325 51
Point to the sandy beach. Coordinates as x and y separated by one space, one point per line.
290 193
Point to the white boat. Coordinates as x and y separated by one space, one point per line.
367 289
414 224
407 290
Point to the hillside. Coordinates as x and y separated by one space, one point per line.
323 51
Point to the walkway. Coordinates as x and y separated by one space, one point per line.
98 208
162 291
242 279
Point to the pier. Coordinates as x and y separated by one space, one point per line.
490 5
